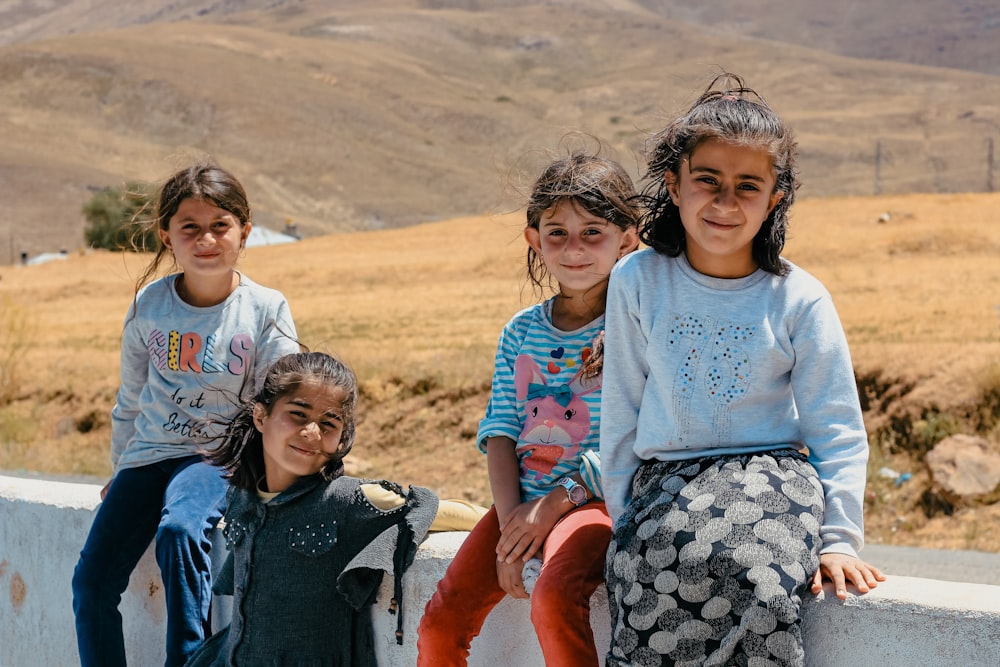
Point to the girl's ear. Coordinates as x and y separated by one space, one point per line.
259 413
246 233
164 238
775 198
670 178
630 241
534 239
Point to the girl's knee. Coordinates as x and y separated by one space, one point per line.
85 582
554 598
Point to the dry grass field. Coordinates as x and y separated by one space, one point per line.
417 311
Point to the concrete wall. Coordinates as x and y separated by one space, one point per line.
906 621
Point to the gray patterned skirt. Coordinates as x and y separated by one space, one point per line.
708 564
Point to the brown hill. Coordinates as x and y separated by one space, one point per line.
961 35
387 113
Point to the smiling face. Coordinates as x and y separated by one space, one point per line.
301 432
578 248
724 193
206 240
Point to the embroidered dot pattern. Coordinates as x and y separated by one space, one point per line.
313 538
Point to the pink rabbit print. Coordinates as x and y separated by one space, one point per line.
556 421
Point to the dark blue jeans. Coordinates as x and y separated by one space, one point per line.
178 502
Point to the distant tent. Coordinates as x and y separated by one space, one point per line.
263 236
45 257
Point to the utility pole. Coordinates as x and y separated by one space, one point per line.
989 164
878 167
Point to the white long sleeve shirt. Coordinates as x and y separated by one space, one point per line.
183 367
700 366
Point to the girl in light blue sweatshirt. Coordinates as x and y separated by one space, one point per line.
732 443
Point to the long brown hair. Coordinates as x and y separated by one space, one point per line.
240 449
730 111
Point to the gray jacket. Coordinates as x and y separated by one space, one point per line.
305 568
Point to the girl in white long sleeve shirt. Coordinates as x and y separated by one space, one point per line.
732 443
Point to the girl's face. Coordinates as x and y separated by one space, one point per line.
578 248
724 193
301 432
206 240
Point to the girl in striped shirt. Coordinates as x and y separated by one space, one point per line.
541 430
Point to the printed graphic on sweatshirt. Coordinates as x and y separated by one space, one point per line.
186 352
557 419
715 367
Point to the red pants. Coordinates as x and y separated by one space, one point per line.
572 569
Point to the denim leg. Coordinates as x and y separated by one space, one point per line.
192 505
123 527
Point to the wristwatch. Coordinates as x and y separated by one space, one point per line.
575 493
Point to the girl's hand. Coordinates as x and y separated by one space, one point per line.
524 530
841 568
509 577
104 490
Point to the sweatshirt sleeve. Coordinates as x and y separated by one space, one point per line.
277 339
134 371
625 373
832 424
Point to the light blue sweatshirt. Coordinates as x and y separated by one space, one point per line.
183 366
699 366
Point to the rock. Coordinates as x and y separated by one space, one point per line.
965 469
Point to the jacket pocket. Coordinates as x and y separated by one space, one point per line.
313 539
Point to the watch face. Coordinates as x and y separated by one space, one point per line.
577 495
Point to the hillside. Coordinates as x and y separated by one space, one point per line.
371 115
917 292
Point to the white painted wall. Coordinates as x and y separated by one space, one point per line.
43 525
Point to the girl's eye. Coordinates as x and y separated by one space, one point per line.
707 180
749 187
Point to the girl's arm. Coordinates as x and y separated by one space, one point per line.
834 432
526 528
277 339
505 483
134 373
505 475
625 372
523 526
831 423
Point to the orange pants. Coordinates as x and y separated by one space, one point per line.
572 569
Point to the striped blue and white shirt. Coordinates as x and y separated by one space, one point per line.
540 401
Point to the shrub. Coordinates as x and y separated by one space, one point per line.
117 218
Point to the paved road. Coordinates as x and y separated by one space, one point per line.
979 567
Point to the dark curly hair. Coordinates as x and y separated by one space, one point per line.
729 111
241 448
